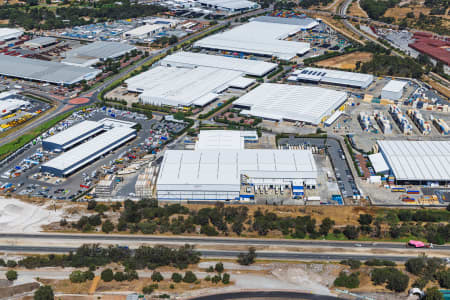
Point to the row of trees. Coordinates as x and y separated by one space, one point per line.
94 255
46 19
147 217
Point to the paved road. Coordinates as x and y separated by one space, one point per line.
207 240
224 254
265 295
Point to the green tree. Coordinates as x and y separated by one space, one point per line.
11 275
226 278
107 275
77 276
216 279
433 294
119 276
189 277
176 277
219 267
326 226
416 265
11 264
349 281
148 289
107 226
156 276
444 278
246 259
365 219
44 293
351 232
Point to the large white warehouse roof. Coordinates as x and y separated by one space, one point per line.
333 77
10 33
230 5
247 66
417 160
181 86
221 170
291 102
261 38
394 86
74 159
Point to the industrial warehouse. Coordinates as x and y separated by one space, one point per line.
184 86
417 162
191 60
231 6
261 38
223 175
10 33
319 75
68 162
290 102
91 54
72 136
393 90
44 71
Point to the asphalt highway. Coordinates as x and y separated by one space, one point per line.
223 254
265 295
208 240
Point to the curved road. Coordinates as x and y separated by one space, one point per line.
87 238
265 295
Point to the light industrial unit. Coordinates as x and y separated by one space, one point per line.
44 71
191 60
98 51
181 86
320 75
229 5
221 175
145 31
76 158
261 38
393 90
291 102
72 136
40 42
417 162
11 105
10 33
305 23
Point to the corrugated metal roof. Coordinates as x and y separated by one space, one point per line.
378 163
292 102
220 140
247 66
334 77
9 33
306 23
230 4
73 133
418 160
88 150
101 49
220 170
41 70
41 41
258 37
180 86
394 86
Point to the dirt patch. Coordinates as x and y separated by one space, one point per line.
399 13
355 10
347 61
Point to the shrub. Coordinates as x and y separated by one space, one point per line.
444 279
107 226
380 262
396 280
148 290
219 267
189 277
216 279
365 219
349 281
11 264
351 232
226 278
416 265
119 276
11 275
107 275
44 293
176 277
420 283
156 276
77 276
433 294
353 263
246 259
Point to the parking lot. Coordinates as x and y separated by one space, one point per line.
22 175
343 175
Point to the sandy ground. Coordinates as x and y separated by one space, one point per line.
347 61
356 10
17 216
